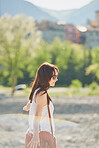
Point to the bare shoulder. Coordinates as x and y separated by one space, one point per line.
41 98
42 95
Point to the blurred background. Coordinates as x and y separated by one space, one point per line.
62 33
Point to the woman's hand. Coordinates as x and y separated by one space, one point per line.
27 107
34 143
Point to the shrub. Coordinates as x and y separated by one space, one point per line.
94 85
76 84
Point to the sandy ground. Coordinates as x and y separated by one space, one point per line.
76 121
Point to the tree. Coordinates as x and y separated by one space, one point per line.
94 66
71 67
55 49
19 39
68 62
42 55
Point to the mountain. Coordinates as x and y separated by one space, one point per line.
85 13
60 15
14 7
76 16
73 16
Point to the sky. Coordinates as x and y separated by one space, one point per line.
60 4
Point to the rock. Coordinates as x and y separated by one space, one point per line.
69 138
17 142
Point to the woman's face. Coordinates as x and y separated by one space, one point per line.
53 79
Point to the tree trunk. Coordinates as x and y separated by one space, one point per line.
14 81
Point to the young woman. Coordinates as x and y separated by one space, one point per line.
41 132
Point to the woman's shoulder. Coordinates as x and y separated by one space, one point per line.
41 97
40 92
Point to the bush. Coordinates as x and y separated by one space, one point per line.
76 84
94 85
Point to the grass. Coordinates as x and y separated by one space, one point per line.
94 92
67 93
6 88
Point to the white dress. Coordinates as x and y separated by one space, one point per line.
44 124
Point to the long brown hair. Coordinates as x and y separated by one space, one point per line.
42 78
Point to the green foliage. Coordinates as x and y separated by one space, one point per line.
41 55
93 85
69 62
76 84
19 39
55 49
93 88
22 51
94 67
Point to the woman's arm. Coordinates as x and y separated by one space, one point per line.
41 100
27 106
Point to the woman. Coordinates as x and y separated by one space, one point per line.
41 125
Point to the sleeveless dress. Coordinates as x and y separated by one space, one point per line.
44 126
